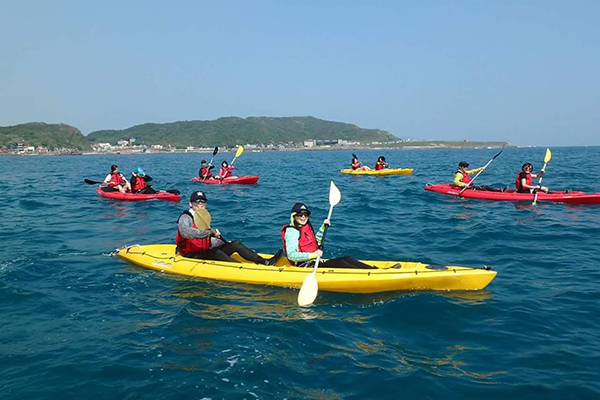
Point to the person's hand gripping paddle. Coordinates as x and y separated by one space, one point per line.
547 159
310 287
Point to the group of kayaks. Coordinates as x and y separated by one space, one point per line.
387 276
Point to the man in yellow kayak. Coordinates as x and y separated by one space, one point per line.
196 239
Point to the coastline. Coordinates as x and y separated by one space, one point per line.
421 146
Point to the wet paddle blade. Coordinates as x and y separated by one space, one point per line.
548 156
215 151
334 195
308 291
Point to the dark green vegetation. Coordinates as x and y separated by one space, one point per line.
52 136
232 130
221 132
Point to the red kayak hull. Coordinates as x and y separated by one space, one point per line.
240 180
137 196
511 195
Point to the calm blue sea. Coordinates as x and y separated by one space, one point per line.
80 324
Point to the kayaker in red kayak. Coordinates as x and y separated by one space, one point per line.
357 166
381 164
204 172
202 242
462 177
225 171
116 180
524 181
301 243
139 182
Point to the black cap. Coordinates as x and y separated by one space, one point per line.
198 197
463 164
300 208
203 162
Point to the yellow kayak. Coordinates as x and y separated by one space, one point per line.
381 172
390 275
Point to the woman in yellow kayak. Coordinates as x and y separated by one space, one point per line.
301 243
381 164
196 239
357 166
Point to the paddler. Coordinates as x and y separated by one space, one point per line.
381 164
462 177
139 182
225 171
204 172
196 239
524 180
301 243
116 180
357 166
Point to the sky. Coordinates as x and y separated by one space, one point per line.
523 71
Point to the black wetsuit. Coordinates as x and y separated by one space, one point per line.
224 252
340 262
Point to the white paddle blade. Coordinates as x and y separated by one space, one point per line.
334 195
308 291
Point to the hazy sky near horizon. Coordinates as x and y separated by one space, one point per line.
524 71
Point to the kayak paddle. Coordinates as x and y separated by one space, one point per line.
547 159
484 167
238 153
215 151
310 286
90 182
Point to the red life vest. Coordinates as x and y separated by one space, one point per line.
205 172
307 243
356 165
116 179
379 166
466 178
224 172
140 184
528 181
185 245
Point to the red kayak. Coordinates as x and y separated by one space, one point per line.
512 195
112 194
240 180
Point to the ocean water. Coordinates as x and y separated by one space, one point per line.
79 323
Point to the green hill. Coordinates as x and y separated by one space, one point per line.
233 130
52 136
